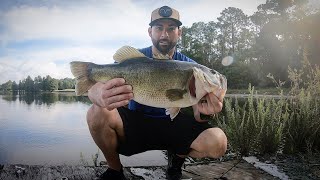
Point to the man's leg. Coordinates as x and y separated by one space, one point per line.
175 162
211 143
106 128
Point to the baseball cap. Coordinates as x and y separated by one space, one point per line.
165 12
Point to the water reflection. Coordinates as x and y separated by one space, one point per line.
50 128
44 98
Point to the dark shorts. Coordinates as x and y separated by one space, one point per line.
143 133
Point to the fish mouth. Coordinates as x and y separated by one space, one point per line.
192 86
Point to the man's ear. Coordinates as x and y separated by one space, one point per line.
150 31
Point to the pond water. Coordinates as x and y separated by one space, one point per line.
51 129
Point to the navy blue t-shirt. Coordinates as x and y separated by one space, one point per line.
153 111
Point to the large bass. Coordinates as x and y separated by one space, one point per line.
161 82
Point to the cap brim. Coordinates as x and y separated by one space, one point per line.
179 23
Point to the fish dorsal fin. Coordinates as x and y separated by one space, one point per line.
127 52
161 56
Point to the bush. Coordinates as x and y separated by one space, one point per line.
256 126
303 127
289 124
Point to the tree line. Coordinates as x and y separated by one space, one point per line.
280 34
38 84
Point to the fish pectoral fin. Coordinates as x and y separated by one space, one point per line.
127 52
175 94
173 112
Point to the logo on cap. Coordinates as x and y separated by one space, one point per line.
165 11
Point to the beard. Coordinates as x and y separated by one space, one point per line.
164 46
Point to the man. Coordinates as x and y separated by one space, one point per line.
138 128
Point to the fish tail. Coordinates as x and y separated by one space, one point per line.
81 71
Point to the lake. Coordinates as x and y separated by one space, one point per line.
51 129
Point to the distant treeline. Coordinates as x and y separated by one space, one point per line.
38 84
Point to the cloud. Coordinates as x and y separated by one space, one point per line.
54 62
85 24
90 32
93 21
42 37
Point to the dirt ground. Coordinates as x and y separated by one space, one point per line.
298 166
294 167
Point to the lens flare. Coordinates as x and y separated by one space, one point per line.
226 61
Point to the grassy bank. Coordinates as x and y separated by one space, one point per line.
260 125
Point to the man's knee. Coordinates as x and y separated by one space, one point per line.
101 119
220 143
94 117
210 143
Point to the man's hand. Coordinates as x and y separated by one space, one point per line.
209 104
112 94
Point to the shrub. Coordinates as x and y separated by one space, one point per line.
303 128
256 126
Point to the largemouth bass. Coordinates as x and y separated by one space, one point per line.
160 82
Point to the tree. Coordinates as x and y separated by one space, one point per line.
15 86
284 33
7 86
21 85
38 83
50 84
66 83
53 84
29 84
193 42
235 28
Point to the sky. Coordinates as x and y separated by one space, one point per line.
41 37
